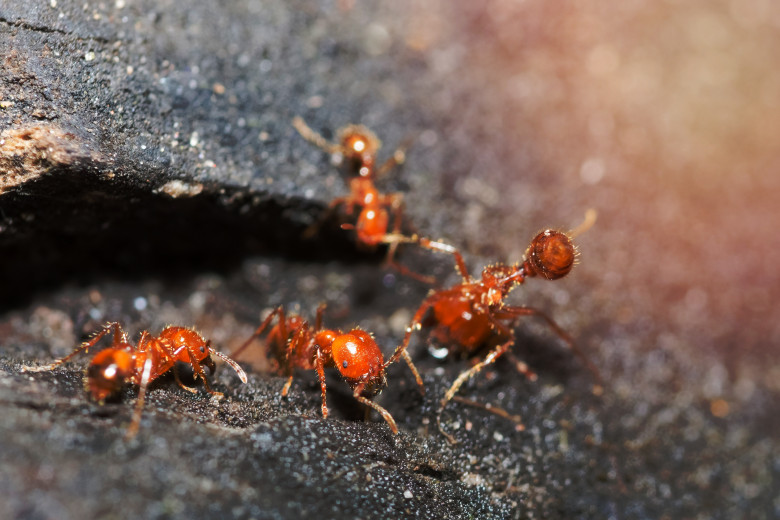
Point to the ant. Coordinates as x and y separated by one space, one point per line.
293 343
153 356
359 146
472 315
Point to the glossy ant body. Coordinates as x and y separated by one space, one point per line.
122 363
472 316
359 146
292 343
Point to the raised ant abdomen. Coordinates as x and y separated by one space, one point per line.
471 317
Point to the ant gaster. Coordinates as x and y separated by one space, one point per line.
472 316
122 363
292 343
358 146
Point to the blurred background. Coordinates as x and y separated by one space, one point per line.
663 116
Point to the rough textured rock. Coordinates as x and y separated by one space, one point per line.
149 174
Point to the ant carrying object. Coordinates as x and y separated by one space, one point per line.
292 343
153 356
472 316
359 146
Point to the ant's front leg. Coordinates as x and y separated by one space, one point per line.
319 363
368 402
144 351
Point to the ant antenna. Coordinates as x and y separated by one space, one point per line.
238 369
590 219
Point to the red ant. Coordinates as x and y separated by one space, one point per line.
472 315
294 344
359 146
113 367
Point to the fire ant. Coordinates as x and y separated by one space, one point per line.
359 146
293 343
121 363
472 316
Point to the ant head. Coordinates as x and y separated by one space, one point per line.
358 358
550 255
359 144
107 373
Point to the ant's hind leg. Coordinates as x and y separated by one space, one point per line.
522 367
512 312
396 237
119 337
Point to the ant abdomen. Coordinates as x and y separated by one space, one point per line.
108 372
551 255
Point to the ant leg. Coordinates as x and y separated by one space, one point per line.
401 351
313 137
368 402
318 318
119 337
292 345
315 227
261 329
514 312
299 337
398 158
460 264
492 409
199 373
522 367
178 380
143 348
465 376
395 202
415 373
468 374
319 363
286 387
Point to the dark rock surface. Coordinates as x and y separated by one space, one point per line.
149 174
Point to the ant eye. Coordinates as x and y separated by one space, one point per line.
203 349
345 364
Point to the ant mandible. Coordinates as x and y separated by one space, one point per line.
359 146
472 315
293 343
140 364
